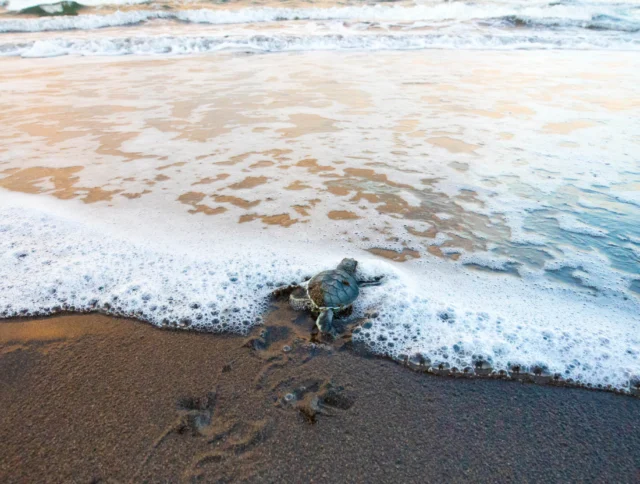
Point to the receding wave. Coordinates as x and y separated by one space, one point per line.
288 43
578 16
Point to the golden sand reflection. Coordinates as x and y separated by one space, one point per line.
407 126
338 190
179 163
111 145
262 164
453 145
133 196
58 182
515 109
283 219
29 180
302 210
249 182
613 104
567 127
208 180
199 121
238 202
194 198
308 124
297 185
403 256
479 112
342 215
312 165
273 135
45 330
52 131
371 175
46 335
429 233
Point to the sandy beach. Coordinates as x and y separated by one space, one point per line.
165 167
87 398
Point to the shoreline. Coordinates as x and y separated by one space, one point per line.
99 398
304 329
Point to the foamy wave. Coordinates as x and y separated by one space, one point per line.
597 22
50 263
287 43
558 16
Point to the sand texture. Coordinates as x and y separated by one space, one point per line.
86 398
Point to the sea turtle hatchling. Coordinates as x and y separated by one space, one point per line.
327 294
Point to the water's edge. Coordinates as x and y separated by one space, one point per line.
256 339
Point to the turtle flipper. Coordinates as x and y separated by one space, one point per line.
324 322
376 281
284 291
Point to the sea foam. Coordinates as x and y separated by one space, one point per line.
155 45
598 16
53 259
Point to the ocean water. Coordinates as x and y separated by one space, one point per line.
175 162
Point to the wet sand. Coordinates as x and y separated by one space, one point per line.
87 398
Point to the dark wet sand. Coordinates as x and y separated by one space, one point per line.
87 398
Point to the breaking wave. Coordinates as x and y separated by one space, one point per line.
593 17
288 43
597 22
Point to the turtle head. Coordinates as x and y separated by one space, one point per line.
348 265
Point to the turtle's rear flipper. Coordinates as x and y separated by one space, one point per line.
324 322
284 291
376 281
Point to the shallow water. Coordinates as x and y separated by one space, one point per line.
496 191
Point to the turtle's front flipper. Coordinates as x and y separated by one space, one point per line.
376 281
324 322
284 291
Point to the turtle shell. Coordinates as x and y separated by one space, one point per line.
333 289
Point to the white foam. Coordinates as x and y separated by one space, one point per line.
623 18
570 223
439 239
593 270
52 260
488 260
290 43
443 215
81 268
632 197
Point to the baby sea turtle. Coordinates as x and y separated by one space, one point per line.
327 294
